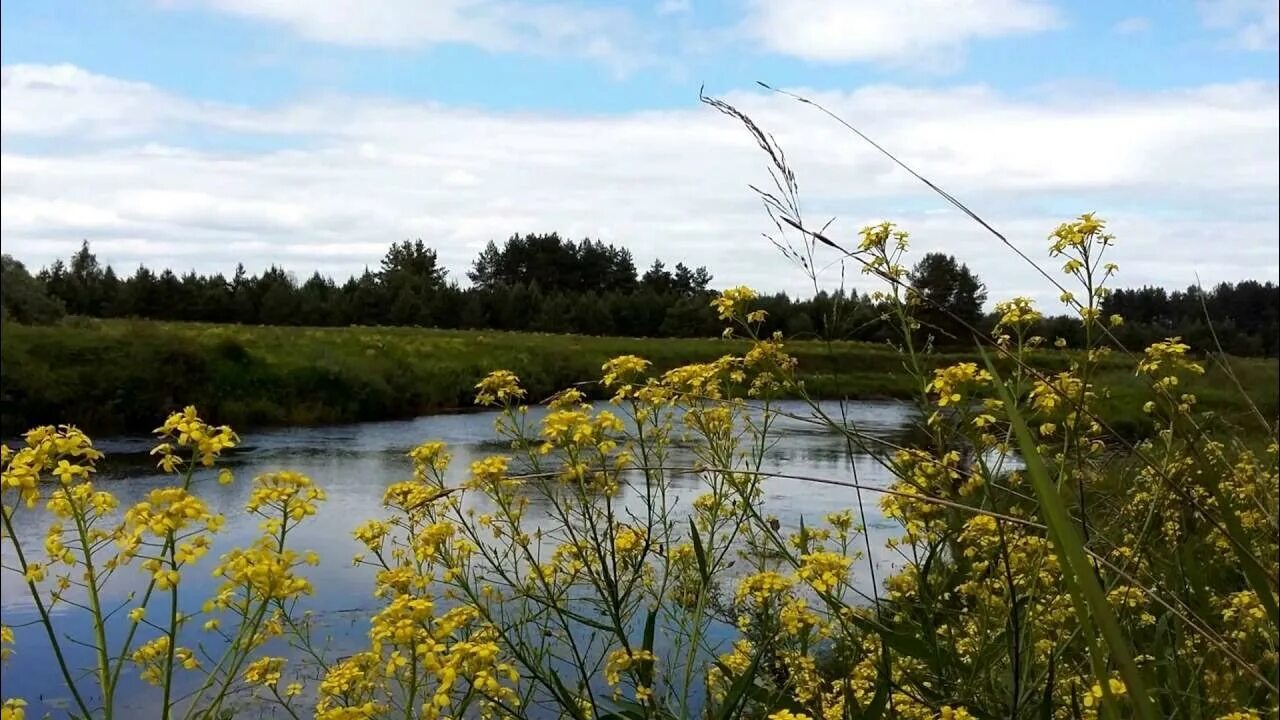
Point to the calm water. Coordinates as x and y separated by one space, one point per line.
354 463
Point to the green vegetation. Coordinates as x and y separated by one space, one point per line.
119 375
544 283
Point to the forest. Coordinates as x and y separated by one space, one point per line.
545 283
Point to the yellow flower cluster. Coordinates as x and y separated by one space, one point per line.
622 660
733 302
284 495
65 451
371 533
151 658
796 618
628 541
951 384
264 671
1164 360
454 649
14 709
1093 697
170 510
703 381
1077 235
763 587
1017 313
347 689
432 455
81 499
878 237
920 477
499 387
823 571
1245 617
205 441
623 372
736 661
6 638
163 516
774 367
884 244
264 571
489 472
1063 390
578 428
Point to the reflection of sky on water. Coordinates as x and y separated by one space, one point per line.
354 463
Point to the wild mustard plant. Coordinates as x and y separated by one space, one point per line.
623 597
165 535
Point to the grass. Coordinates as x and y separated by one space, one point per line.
123 375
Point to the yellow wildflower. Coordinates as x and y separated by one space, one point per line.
499 387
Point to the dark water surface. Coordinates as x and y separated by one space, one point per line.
354 463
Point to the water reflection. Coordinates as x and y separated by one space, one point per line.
354 463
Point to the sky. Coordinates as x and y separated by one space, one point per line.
196 134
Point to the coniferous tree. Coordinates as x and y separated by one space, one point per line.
543 282
951 298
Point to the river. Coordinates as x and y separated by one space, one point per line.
354 463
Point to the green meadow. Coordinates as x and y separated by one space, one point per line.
113 376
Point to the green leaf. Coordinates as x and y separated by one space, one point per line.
564 697
904 642
623 709
1087 595
884 680
1046 700
699 553
738 690
772 699
646 667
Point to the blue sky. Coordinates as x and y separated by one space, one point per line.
198 51
201 133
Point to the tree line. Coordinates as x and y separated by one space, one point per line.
545 283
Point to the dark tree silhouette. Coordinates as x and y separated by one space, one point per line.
545 283
952 297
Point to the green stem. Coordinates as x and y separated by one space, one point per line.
146 595
44 616
172 630
243 644
95 605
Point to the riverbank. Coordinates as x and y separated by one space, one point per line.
111 376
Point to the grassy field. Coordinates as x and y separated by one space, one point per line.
122 376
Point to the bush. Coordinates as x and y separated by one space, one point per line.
23 298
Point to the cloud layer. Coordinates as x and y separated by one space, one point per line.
1188 178
574 28
912 32
1254 24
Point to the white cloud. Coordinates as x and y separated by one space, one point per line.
64 100
923 33
1135 25
575 28
1254 24
909 32
1188 178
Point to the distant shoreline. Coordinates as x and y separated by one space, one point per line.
124 376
